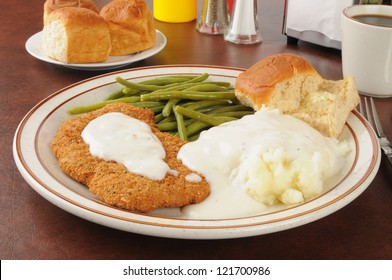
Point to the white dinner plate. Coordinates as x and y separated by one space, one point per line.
33 47
39 167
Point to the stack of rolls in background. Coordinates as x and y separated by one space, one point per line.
76 31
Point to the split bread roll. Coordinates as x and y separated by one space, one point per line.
289 83
76 35
51 5
131 26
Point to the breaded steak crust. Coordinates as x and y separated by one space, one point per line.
111 181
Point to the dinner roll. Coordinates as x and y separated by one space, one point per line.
289 83
76 35
51 5
131 26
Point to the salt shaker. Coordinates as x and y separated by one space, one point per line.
214 18
244 25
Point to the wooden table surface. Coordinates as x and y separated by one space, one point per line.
33 228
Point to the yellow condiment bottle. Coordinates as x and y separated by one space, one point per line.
175 10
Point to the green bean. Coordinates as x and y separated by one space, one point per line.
193 137
175 87
196 127
115 95
168 126
222 84
206 87
92 107
193 129
206 106
200 78
195 79
168 79
235 114
168 107
215 121
207 110
127 99
165 81
184 86
138 86
206 103
181 86
131 91
192 95
151 87
231 108
180 125
148 104
171 118
158 118
156 109
196 102
87 108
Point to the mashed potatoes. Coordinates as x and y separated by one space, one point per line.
263 159
271 177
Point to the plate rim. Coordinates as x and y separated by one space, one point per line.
218 230
30 48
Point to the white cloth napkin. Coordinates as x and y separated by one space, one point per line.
316 15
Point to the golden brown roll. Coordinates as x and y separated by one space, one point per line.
131 26
51 5
289 83
76 35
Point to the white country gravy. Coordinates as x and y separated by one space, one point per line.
258 161
129 141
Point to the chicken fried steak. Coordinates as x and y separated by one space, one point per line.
111 181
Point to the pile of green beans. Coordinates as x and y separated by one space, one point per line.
183 105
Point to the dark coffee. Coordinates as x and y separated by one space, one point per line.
380 20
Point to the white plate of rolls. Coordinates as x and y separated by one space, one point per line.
33 47
78 35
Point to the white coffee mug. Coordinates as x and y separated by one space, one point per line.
367 49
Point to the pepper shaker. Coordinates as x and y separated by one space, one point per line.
244 26
214 18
